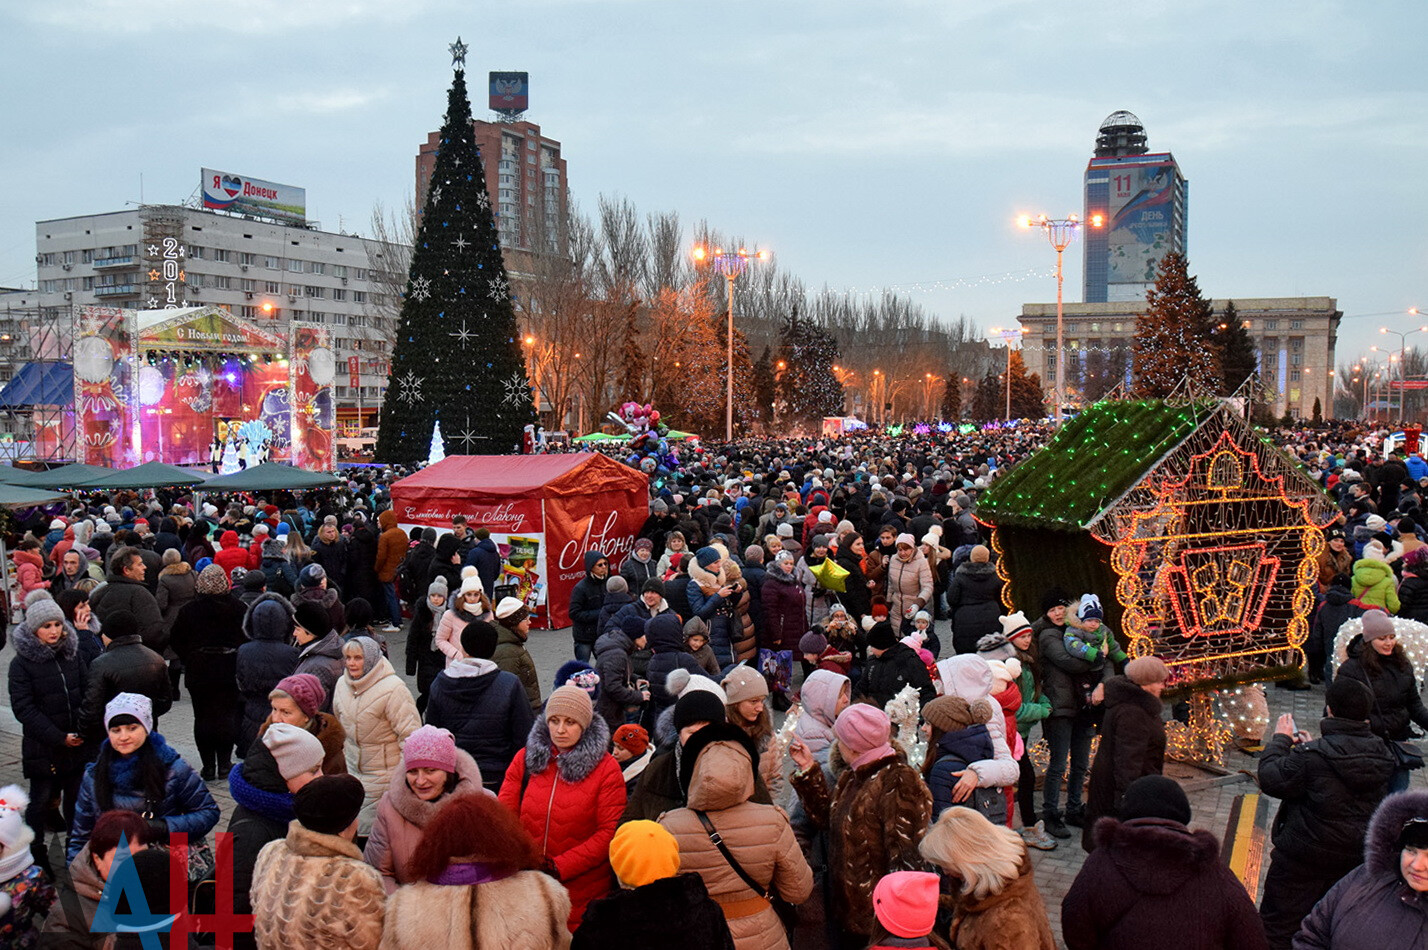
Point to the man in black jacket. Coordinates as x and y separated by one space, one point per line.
124 590
586 599
1329 788
125 666
893 665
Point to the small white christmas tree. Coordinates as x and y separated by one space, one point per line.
437 452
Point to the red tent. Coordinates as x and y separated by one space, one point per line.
543 511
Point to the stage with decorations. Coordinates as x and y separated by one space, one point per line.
201 386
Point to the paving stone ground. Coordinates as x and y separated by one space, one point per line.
1211 796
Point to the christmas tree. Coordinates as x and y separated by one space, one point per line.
808 386
1174 336
1028 399
951 398
457 356
437 450
1238 360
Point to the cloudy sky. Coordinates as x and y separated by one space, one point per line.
867 144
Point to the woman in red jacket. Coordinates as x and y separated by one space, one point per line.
569 794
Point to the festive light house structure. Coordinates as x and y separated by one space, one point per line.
1200 537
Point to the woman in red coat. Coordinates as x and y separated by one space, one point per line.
569 794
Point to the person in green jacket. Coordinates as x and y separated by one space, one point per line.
513 620
1015 641
1375 585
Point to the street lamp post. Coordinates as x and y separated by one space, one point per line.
1007 336
730 264
1402 357
1060 231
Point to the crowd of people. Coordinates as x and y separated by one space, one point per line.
725 759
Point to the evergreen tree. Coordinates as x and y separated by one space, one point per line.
808 387
951 398
632 358
1174 337
1238 360
987 401
1318 413
1028 399
765 387
457 357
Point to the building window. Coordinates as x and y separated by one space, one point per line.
1070 328
1296 324
222 283
245 259
295 267
248 284
271 263
316 267
339 294
1296 359
272 287
248 311
1294 375
339 270
221 256
314 291
87 257
361 273
339 319
1271 324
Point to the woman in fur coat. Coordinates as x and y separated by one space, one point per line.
477 884
998 906
569 794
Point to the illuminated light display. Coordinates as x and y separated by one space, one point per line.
1201 537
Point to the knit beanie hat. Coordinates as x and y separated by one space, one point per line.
1376 624
571 701
42 610
313 618
576 673
981 554
294 749
1055 597
329 804
643 851
430 748
951 713
633 627
1013 624
633 738
1090 608
905 903
881 637
254 579
212 580
1155 796
1349 698
784 531
470 582
1145 670
617 585
304 689
707 556
121 623
680 681
130 704
508 606
311 576
744 683
864 732
995 646
812 642
698 705
479 638
1004 673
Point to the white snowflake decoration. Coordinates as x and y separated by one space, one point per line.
410 387
500 289
436 194
460 243
464 335
483 201
421 288
518 390
466 436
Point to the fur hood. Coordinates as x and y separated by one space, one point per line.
418 812
708 581
1157 855
279 599
576 764
1380 851
29 646
182 567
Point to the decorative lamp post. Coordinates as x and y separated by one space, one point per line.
1060 231
1007 336
731 264
1402 358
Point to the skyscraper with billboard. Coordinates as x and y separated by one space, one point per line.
1143 199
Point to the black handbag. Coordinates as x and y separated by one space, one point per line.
1406 755
787 913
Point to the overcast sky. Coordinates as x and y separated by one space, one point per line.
866 144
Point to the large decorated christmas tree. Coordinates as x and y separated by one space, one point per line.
457 358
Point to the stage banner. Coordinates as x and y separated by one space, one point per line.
314 401
103 351
605 521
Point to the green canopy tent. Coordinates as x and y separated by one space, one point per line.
270 476
602 437
148 475
18 496
66 476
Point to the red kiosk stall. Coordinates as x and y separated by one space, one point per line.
543 511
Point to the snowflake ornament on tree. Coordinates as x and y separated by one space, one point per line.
518 390
410 387
483 201
500 289
464 335
421 288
